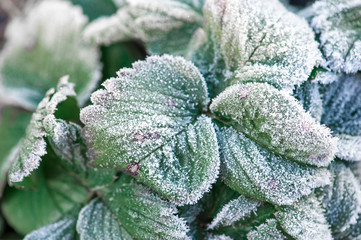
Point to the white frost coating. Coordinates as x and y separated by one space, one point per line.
145 20
326 77
266 231
148 122
253 171
33 145
218 237
96 221
262 41
50 26
349 147
338 22
63 229
233 211
276 121
304 220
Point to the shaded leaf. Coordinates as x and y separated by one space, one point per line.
44 46
267 231
304 220
339 25
94 9
276 121
142 213
255 172
63 229
262 41
96 221
147 122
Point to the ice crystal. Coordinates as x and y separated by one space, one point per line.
339 25
33 144
276 121
161 24
266 231
233 211
148 122
42 47
304 220
262 41
253 171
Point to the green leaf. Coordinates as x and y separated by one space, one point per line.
63 229
267 231
166 26
342 113
33 145
34 57
96 221
276 121
253 171
342 199
96 8
262 41
339 25
142 213
233 211
304 220
13 123
56 194
148 122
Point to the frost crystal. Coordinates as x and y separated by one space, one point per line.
233 211
42 47
262 41
148 122
253 171
33 145
276 121
266 231
304 220
162 24
339 25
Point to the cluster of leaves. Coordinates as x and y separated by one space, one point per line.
243 123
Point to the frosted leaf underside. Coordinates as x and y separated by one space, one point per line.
253 171
339 24
142 213
276 121
166 26
262 41
266 231
304 220
342 199
44 46
96 221
342 113
233 211
33 146
148 122
63 229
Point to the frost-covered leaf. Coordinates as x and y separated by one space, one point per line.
339 24
342 199
342 113
33 145
94 9
165 26
253 171
96 221
233 211
42 47
304 220
276 121
262 41
218 237
56 194
63 229
267 231
13 123
148 122
142 213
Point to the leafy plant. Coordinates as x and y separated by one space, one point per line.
243 122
